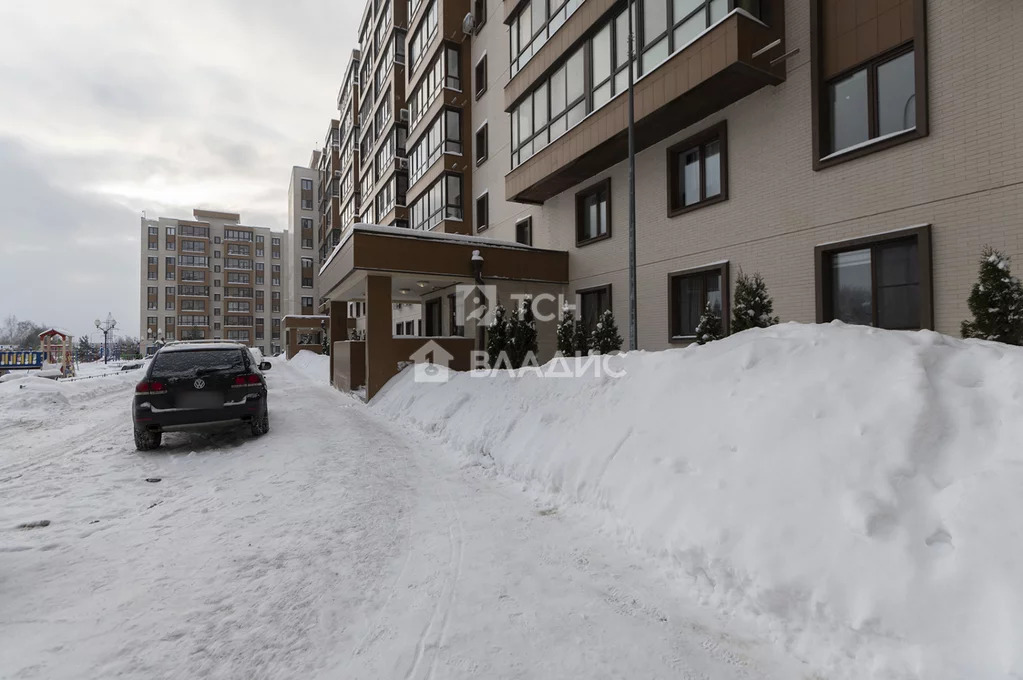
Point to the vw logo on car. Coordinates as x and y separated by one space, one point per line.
199 383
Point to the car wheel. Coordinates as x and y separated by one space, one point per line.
147 440
261 425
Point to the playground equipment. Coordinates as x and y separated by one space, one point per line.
57 347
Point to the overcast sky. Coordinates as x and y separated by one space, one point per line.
112 107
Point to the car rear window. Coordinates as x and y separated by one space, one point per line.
196 361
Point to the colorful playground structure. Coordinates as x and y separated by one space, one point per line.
54 357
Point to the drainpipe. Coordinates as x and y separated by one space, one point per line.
477 275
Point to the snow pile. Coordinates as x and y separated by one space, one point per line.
40 395
858 493
313 365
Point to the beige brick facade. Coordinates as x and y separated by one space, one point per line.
964 179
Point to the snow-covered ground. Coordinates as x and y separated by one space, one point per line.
855 495
343 544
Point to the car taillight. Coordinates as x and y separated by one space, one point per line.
250 379
150 386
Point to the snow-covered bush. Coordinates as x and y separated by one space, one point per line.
566 333
605 339
996 302
752 305
709 327
521 341
497 335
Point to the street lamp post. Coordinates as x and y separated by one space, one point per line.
633 323
106 326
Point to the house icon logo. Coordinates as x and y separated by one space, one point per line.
431 363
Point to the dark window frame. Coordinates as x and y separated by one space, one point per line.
428 307
479 10
477 90
528 222
819 90
822 271
723 271
482 151
580 292
718 132
582 195
485 224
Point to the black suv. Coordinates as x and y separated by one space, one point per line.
192 385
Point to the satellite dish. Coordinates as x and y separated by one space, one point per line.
469 24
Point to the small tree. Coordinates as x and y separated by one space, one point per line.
497 335
709 327
566 333
521 340
325 340
996 302
605 339
753 307
580 339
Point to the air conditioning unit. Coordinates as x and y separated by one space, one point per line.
403 115
468 24
402 163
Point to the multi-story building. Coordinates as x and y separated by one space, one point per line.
856 154
301 294
212 277
382 114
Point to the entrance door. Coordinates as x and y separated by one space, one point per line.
432 313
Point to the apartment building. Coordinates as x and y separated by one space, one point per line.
859 155
301 295
212 277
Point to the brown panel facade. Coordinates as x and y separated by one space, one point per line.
716 70
854 31
427 256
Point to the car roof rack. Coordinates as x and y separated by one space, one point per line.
218 341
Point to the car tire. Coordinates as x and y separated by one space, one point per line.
147 440
261 425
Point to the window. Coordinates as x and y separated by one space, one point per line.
533 25
216 268
216 239
524 231
878 281
593 213
592 303
689 294
454 328
878 100
868 96
442 201
480 84
307 185
423 36
307 302
482 211
481 144
443 136
698 171
479 12
432 314
154 231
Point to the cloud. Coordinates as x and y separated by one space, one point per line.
121 106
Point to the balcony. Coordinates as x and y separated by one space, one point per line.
712 72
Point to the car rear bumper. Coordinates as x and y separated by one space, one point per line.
163 420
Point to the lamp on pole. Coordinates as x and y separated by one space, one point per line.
632 185
106 326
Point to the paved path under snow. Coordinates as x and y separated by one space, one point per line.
340 545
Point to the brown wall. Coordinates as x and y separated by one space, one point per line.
708 75
854 30
348 359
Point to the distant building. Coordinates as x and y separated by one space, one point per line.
212 277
